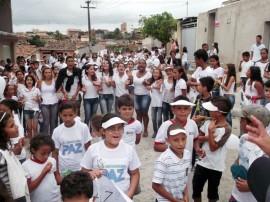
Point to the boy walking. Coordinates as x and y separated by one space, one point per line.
172 168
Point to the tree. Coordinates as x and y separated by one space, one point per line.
35 40
159 26
58 35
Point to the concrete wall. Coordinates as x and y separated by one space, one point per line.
6 16
150 42
239 24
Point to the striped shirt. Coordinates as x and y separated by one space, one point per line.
4 173
172 173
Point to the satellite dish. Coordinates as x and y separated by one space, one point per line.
2 86
233 142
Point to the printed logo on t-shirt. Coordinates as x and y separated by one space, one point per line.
72 147
113 172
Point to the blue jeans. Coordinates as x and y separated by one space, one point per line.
229 115
90 108
156 118
50 115
106 102
166 111
142 103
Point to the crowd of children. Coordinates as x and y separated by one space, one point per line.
191 117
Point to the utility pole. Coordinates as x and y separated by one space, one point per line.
187 8
89 25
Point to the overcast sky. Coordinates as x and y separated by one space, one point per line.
60 15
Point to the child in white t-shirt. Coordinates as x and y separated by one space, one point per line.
40 170
213 135
173 167
179 82
72 138
113 158
181 108
133 129
156 99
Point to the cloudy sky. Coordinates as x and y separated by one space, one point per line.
60 15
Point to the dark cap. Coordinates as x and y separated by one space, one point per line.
259 179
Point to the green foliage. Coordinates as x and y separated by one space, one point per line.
35 40
50 33
159 26
116 34
58 35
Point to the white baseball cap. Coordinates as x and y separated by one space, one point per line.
210 107
177 131
113 121
182 102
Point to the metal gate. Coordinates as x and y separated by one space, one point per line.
188 29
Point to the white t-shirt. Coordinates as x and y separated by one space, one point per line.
248 152
180 85
28 96
156 97
73 88
15 140
105 88
245 67
52 60
60 65
70 143
92 62
256 51
131 130
120 84
47 190
48 93
215 160
172 173
190 127
199 73
218 73
139 88
262 66
91 91
115 162
168 94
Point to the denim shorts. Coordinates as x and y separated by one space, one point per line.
31 114
142 102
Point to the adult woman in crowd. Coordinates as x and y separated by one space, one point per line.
69 82
91 87
106 93
49 104
121 81
142 94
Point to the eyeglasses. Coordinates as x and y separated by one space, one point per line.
114 130
2 117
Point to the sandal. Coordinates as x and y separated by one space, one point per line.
145 134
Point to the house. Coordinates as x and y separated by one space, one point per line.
7 37
234 26
73 32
